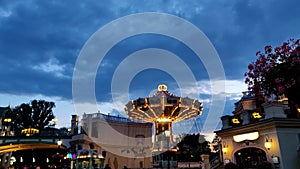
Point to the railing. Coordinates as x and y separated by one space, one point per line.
215 163
34 139
112 118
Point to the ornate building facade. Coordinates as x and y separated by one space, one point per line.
256 134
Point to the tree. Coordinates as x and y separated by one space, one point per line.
192 146
64 131
36 114
277 72
216 143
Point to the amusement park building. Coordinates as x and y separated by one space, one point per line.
254 135
122 142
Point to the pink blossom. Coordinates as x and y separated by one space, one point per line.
250 67
274 64
247 80
257 53
280 89
277 80
277 49
268 49
255 75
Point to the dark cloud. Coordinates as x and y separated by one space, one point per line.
37 31
34 32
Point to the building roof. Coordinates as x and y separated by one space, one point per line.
261 125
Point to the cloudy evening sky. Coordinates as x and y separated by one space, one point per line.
40 42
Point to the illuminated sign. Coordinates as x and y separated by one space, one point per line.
246 136
30 131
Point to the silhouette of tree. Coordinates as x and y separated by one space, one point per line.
216 142
192 146
36 114
64 131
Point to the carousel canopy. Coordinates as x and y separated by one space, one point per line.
163 106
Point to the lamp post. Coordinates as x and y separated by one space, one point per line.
59 142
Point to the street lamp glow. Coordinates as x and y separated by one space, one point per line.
59 142
268 145
268 142
7 120
225 149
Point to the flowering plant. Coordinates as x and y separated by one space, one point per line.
276 71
